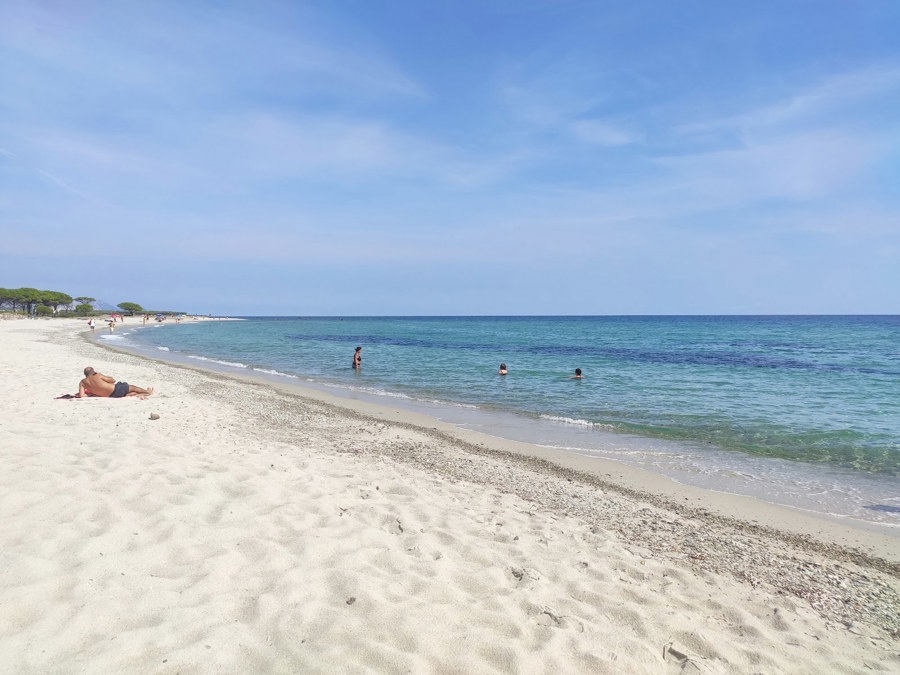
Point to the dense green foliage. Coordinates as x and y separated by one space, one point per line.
47 303
34 301
28 299
130 307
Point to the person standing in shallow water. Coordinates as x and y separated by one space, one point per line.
357 358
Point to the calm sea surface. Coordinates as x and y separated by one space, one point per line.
798 410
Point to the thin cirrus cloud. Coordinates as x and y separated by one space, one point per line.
803 146
817 103
600 132
180 106
808 167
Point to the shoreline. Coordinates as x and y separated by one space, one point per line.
674 483
630 531
874 541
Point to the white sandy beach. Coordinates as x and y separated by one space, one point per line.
255 529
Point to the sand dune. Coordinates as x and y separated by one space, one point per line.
252 529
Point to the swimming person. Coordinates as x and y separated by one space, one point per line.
502 370
577 375
97 384
357 358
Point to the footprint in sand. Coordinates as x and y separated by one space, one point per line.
552 619
523 574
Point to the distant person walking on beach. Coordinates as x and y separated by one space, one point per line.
502 370
357 358
91 324
577 375
97 384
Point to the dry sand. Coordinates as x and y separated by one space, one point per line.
252 528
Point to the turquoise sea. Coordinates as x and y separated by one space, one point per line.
801 410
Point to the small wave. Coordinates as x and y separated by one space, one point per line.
269 371
221 363
453 404
381 392
445 403
164 349
578 422
567 420
112 337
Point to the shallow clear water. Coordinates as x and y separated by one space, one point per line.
762 398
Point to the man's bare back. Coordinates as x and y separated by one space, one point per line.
98 384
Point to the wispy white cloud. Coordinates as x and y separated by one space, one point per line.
814 103
271 144
565 98
191 50
65 186
600 132
821 145
806 167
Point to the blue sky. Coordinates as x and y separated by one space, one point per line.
527 157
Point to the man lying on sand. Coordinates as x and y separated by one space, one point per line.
97 384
